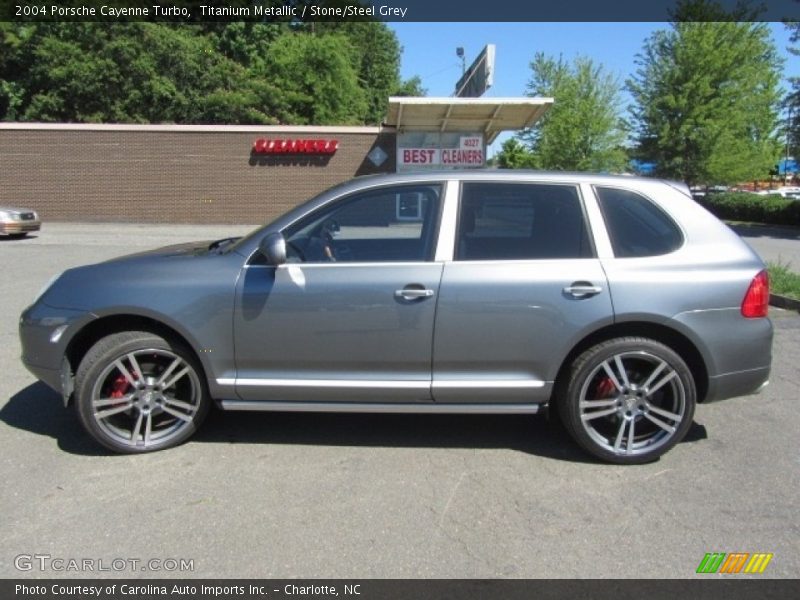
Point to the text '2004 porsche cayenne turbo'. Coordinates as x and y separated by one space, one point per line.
618 302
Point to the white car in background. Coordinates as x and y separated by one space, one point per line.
791 192
18 222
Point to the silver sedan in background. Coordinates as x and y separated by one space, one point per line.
18 222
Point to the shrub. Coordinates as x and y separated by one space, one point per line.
742 206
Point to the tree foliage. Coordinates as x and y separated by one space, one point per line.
706 99
792 101
582 130
411 87
376 58
513 155
238 72
317 79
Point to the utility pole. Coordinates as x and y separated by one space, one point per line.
788 138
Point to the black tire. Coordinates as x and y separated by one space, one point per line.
138 392
602 405
17 236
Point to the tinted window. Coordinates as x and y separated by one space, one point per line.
389 224
637 227
500 221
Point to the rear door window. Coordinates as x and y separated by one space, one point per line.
521 221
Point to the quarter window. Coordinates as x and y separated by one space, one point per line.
636 226
395 224
500 221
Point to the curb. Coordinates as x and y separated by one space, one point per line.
784 302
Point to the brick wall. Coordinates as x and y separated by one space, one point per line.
173 174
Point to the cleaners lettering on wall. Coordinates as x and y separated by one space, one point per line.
313 146
447 157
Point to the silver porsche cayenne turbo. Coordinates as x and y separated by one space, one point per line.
617 302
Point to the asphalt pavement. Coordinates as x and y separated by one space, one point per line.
773 244
385 496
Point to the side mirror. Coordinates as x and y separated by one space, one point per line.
273 247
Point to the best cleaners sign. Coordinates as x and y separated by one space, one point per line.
469 153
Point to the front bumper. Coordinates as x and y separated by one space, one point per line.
13 227
45 333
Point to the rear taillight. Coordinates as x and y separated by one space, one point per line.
756 300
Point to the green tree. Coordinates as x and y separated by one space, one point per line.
583 129
792 101
212 72
317 79
137 72
706 99
513 155
411 87
376 58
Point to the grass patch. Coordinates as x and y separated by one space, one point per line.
783 281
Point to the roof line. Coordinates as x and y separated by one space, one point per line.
172 128
536 100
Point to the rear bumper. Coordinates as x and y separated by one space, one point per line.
737 352
742 383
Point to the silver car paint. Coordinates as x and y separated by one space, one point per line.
335 322
450 350
509 320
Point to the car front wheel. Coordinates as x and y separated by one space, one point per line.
628 400
138 392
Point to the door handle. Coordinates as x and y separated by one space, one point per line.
413 293
582 289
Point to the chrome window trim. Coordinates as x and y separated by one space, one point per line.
597 224
446 242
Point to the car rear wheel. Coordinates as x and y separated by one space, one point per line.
138 392
628 400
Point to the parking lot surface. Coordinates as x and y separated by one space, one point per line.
773 244
306 495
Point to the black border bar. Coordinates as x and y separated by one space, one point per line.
702 588
182 11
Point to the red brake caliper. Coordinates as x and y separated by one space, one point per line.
605 389
119 387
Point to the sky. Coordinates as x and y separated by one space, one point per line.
429 50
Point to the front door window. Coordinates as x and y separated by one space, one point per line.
394 224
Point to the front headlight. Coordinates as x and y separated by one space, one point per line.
46 287
5 215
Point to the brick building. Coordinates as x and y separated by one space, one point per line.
234 174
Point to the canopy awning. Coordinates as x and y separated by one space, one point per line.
447 115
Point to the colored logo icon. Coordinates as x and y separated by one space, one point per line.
734 562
